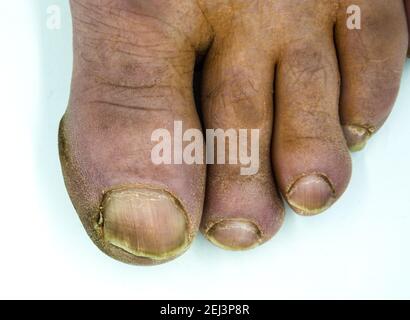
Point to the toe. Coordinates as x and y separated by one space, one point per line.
371 61
310 156
136 207
147 223
242 206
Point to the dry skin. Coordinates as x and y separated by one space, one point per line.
289 68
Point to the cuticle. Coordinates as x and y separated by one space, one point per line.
214 223
318 174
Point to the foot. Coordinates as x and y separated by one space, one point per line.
133 73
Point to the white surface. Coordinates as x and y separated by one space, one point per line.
359 249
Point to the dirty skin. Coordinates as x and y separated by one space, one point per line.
313 88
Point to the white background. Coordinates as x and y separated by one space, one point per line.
359 249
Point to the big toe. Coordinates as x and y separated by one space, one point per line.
125 99
147 223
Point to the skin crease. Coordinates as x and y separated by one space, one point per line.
133 73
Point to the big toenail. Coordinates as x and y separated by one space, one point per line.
311 194
148 223
235 234
357 137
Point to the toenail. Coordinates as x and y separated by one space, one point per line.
356 137
311 194
235 234
147 223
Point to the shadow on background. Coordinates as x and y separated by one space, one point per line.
56 64
55 51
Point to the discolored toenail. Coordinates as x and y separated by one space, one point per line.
235 234
311 194
148 223
356 137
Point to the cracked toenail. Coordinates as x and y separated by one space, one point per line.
235 234
311 194
147 223
356 137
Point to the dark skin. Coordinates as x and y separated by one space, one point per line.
133 73
407 5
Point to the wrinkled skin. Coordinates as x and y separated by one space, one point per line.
290 68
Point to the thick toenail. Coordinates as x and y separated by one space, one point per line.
311 194
235 234
356 137
145 222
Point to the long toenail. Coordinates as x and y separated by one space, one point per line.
356 137
235 234
147 223
311 194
